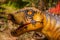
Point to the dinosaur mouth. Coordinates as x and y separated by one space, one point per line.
23 25
22 29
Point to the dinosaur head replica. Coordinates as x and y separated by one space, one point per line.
29 19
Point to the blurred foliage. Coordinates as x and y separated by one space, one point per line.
50 3
32 2
41 4
10 6
17 4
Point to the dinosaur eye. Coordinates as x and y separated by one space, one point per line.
30 12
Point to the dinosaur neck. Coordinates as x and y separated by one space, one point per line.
51 22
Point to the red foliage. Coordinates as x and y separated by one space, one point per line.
55 10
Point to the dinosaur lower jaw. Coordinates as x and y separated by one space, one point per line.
20 30
25 28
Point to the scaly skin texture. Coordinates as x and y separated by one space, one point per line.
46 23
52 27
29 21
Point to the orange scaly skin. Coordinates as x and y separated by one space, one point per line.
50 25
